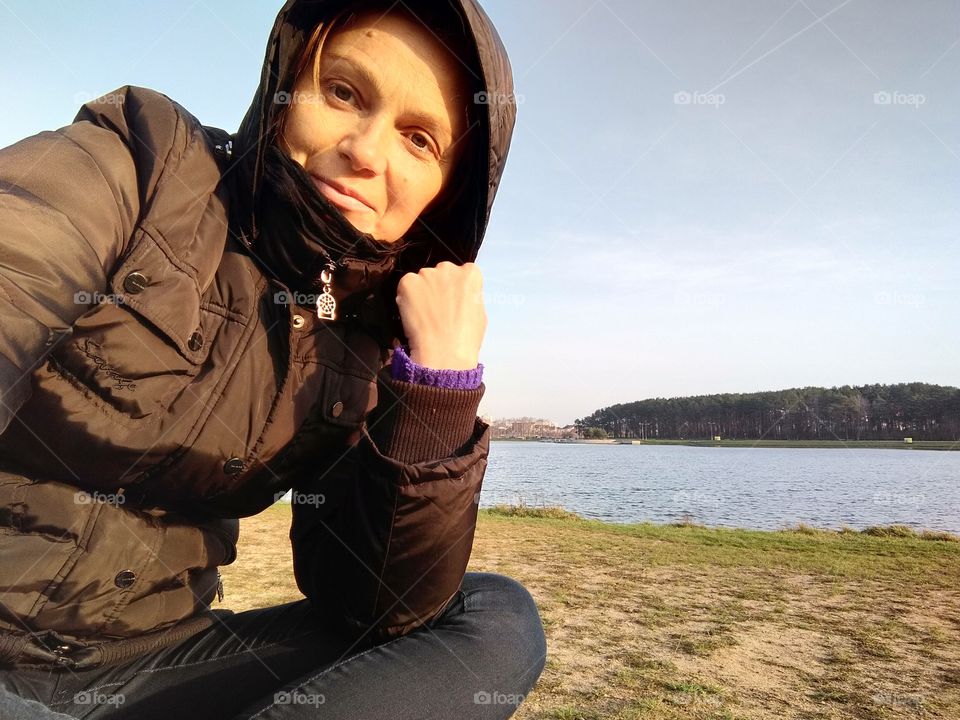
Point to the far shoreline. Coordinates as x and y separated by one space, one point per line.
946 445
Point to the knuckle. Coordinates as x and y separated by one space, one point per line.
406 284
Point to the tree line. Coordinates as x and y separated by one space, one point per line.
866 412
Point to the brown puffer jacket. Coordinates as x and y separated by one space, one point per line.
154 391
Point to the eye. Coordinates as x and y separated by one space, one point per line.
341 92
422 142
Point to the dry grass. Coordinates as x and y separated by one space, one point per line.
659 622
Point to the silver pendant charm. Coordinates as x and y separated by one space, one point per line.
326 303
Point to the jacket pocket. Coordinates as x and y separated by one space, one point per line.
346 399
140 346
79 565
37 549
348 359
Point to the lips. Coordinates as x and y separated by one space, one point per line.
341 196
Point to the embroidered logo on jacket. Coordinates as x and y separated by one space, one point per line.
91 350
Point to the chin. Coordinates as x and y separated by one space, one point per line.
357 220
372 229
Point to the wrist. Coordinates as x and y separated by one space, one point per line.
445 361
405 369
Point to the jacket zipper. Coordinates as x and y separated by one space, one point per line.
326 303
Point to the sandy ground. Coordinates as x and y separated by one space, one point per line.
630 636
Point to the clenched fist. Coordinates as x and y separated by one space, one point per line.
443 317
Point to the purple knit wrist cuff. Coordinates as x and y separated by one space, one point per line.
405 369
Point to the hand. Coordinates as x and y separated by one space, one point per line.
443 317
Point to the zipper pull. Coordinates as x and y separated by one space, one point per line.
326 303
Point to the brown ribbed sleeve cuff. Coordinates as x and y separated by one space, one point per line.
413 423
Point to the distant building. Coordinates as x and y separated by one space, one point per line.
527 428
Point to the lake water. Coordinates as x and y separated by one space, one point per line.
766 488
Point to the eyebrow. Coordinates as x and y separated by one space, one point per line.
427 120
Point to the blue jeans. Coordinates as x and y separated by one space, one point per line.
478 659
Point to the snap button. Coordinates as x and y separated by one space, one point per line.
196 341
337 409
298 322
135 282
125 578
233 466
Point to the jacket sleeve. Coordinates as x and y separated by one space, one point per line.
69 201
382 535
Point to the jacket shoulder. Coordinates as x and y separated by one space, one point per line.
160 134
183 224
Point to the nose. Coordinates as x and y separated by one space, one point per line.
365 146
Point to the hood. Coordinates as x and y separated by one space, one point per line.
453 234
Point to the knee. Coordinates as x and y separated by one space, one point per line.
511 620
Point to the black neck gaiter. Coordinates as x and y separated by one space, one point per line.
301 233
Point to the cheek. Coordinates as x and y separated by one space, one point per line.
310 127
295 133
416 187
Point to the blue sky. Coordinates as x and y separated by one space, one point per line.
701 197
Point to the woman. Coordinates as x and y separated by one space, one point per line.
195 323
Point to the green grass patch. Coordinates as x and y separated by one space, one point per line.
550 512
828 553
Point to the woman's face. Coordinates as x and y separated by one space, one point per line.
379 135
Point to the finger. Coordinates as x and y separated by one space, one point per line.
407 281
